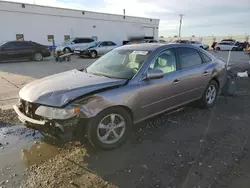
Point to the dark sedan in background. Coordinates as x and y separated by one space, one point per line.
22 50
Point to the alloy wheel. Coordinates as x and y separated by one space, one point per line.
93 54
38 57
111 128
211 94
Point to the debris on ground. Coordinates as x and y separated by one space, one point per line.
8 117
65 170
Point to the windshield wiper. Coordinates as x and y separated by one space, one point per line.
100 74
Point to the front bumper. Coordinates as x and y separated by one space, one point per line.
50 126
47 54
25 119
82 52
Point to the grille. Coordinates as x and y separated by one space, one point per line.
29 109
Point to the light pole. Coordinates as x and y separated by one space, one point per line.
181 16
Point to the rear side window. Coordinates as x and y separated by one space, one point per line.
85 40
189 57
111 43
9 45
206 58
104 44
27 44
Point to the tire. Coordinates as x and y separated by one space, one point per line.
204 103
95 133
93 54
234 49
38 56
67 50
218 48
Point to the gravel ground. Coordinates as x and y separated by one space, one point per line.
8 117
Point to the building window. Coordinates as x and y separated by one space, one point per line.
19 37
66 37
23 5
83 12
50 38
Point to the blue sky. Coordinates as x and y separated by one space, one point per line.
202 17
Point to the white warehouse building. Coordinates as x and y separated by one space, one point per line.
42 24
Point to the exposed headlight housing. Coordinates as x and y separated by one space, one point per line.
57 113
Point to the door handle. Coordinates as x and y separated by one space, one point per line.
176 81
206 73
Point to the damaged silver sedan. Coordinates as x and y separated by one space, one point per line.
127 85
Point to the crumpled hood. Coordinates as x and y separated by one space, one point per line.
59 89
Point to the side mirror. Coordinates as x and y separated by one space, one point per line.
154 74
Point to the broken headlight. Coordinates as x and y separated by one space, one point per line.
57 113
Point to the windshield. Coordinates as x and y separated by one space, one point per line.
121 64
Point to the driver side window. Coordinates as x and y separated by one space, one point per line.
166 62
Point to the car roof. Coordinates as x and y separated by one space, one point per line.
153 46
18 41
142 46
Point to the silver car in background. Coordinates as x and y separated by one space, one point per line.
98 49
126 86
73 43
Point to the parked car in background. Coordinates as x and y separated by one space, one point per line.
182 41
228 40
200 44
226 46
149 41
97 49
143 41
73 43
128 85
162 41
240 46
23 50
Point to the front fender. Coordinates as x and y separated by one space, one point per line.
92 105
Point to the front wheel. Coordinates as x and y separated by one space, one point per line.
67 50
38 56
93 54
110 128
210 94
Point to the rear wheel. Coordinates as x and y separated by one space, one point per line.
210 94
110 128
218 48
38 56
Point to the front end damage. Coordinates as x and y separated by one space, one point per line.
64 129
